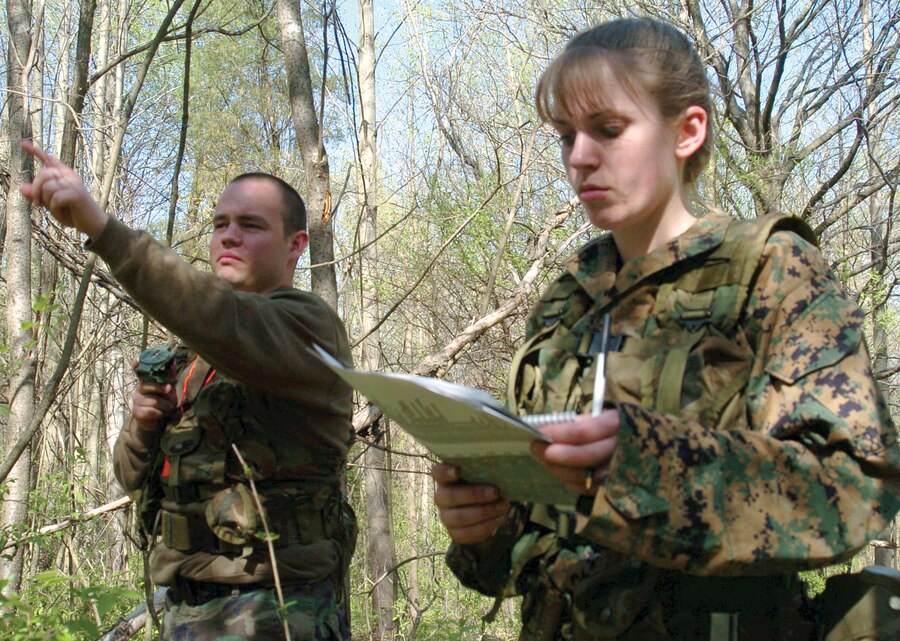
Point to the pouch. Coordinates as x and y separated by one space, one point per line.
231 515
861 606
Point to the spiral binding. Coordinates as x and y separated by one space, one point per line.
540 420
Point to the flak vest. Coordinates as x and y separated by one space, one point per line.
690 358
200 498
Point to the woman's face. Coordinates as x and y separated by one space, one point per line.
620 158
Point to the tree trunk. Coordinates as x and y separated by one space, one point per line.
102 93
884 555
79 82
312 150
14 508
381 555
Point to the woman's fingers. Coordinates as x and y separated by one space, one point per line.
587 455
584 429
579 451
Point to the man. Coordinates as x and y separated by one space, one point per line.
249 418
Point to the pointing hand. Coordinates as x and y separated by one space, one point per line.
59 189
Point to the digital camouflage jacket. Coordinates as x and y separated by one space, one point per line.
255 384
754 441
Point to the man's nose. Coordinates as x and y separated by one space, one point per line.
230 234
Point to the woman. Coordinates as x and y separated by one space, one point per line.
744 438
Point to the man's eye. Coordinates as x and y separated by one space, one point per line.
566 140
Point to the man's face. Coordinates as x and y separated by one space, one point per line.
248 247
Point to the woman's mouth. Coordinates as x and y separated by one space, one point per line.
591 193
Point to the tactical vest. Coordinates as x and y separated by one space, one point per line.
690 340
200 497
688 357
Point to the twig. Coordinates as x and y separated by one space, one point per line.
133 623
72 520
390 571
269 544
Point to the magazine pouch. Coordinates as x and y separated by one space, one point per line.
861 606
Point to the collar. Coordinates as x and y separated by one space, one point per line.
596 265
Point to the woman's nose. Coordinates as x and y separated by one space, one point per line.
583 152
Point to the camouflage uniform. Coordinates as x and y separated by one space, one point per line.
310 612
754 442
247 379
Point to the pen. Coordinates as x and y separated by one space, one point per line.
599 388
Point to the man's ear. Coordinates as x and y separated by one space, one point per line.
692 129
299 240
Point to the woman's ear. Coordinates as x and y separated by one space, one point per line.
691 132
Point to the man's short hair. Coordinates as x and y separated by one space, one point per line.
294 211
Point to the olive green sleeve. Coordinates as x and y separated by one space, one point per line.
133 455
260 340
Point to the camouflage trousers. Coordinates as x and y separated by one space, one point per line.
311 613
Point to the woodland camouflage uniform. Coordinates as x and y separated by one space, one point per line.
754 442
259 387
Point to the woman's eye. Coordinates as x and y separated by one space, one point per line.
609 131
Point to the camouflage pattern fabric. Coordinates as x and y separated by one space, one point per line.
311 614
802 474
779 454
208 528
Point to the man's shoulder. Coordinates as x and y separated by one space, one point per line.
293 293
320 321
303 300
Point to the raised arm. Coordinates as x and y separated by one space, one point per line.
60 190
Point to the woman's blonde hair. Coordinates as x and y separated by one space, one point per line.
647 57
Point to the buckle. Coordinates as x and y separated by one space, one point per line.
694 319
723 626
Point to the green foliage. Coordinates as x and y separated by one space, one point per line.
815 579
55 608
454 630
44 303
483 59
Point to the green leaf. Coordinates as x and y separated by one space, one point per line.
51 577
106 603
87 627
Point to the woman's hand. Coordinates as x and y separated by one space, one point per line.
580 450
471 513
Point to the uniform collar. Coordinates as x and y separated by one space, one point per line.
596 266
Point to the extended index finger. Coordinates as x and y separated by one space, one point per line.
39 153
